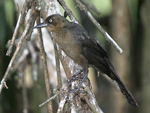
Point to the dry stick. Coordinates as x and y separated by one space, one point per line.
106 35
3 83
71 98
44 61
57 68
50 99
19 23
68 11
61 104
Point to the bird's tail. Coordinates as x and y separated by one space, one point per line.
113 75
125 91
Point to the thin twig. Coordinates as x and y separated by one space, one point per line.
44 61
50 99
61 104
71 97
57 68
3 82
100 28
19 23
68 11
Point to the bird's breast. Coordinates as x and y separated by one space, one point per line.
67 43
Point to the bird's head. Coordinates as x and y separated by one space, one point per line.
54 22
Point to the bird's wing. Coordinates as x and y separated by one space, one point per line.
83 39
91 50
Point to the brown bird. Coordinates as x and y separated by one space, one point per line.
83 49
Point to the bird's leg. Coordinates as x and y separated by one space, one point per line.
74 77
85 73
78 89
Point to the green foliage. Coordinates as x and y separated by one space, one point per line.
9 12
2 26
104 6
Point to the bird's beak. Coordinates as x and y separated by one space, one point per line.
41 25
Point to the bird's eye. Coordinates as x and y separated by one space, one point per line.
50 20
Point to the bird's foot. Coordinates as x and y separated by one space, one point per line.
78 89
75 77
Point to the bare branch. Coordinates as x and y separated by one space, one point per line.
68 11
20 21
100 28
50 99
57 68
44 61
61 104
32 15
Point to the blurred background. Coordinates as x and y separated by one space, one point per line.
127 21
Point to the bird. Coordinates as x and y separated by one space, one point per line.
83 49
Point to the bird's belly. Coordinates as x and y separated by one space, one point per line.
73 51
67 44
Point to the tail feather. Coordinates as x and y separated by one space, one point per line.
127 93
98 59
113 75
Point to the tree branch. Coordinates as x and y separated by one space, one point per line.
68 11
57 68
44 61
20 21
30 20
51 98
100 28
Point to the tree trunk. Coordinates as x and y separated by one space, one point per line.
145 93
120 29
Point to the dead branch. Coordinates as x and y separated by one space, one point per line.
44 61
100 28
58 68
30 20
21 19
68 11
51 98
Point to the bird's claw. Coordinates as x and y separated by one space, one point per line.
76 90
